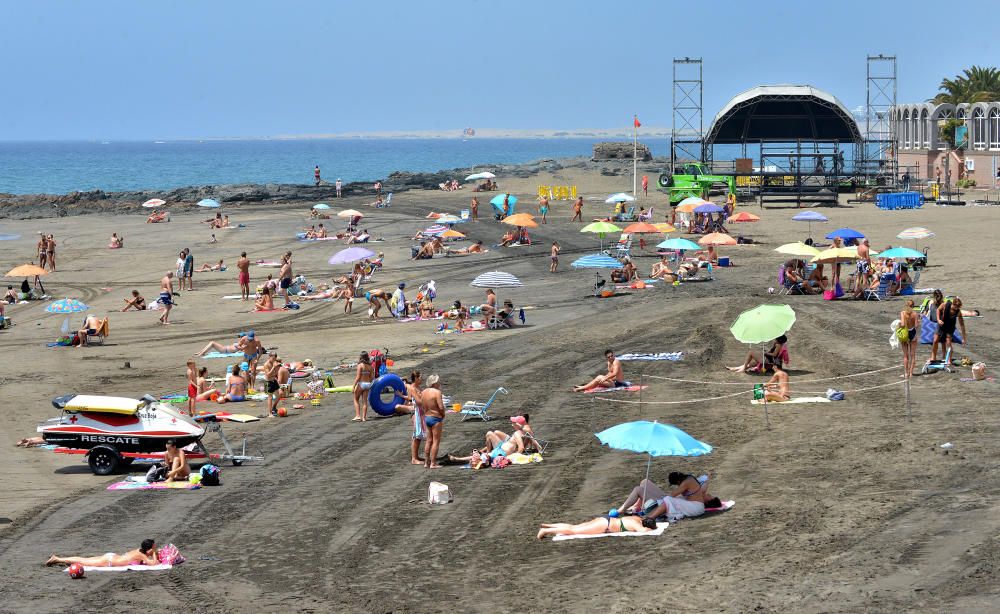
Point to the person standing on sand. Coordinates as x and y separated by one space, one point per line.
432 403
543 208
50 250
316 175
614 378
192 381
166 296
43 249
474 208
413 393
645 185
188 269
363 377
243 266
578 210
286 277
554 257
908 320
340 186
271 367
378 188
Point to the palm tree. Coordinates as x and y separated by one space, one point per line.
975 84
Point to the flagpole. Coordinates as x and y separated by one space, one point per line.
635 151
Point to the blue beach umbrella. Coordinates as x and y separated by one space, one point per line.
708 208
678 245
620 197
846 233
497 203
596 261
321 206
901 252
209 202
351 254
66 305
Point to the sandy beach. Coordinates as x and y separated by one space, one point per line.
840 507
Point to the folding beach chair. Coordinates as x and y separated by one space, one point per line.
882 292
387 202
540 444
100 334
475 409
623 248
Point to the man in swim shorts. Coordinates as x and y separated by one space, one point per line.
613 379
373 296
192 380
252 349
271 388
432 404
286 277
554 257
166 296
243 266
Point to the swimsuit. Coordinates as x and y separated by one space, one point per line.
192 391
272 386
285 282
949 320
365 385
165 298
244 278
621 526
430 421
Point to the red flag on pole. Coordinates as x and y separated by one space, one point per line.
636 119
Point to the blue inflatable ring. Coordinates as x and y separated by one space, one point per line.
389 380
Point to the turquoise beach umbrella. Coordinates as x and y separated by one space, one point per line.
211 203
321 206
678 244
901 252
596 261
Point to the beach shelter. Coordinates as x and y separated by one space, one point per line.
762 324
351 254
797 249
350 213
496 279
809 217
620 197
652 439
66 305
321 206
600 229
497 203
520 219
154 202
596 261
26 270
845 234
743 216
483 175
692 201
211 203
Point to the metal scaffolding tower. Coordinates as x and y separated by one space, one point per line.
688 127
879 154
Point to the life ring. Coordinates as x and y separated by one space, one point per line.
389 380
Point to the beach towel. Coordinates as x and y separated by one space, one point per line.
232 297
672 356
524 459
928 328
222 355
228 417
269 263
617 389
792 401
126 568
726 505
139 483
660 528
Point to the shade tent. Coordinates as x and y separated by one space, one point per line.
497 203
496 279
596 261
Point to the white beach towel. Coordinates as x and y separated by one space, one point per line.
652 356
660 528
793 400
126 568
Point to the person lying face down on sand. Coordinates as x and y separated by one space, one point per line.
601 524
776 389
136 302
614 378
145 554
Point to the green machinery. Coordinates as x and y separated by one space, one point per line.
694 181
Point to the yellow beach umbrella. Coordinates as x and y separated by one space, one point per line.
665 227
836 254
797 249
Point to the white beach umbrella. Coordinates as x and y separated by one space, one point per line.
620 197
154 202
496 279
484 175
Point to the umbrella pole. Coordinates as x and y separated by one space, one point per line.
645 484
767 420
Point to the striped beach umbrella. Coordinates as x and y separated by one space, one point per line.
916 233
496 279
434 230
596 261
154 202
66 305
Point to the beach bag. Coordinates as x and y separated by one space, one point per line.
438 493
979 371
903 334
834 395
828 295
210 475
156 473
170 555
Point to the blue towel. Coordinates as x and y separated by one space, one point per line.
221 355
672 356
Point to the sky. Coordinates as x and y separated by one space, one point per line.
187 69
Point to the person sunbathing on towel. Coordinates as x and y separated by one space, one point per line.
500 442
426 252
136 302
145 554
776 389
661 270
321 295
157 216
265 302
601 524
176 462
686 500
475 248
206 267
614 378
769 360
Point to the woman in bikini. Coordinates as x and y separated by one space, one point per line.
205 389
770 358
908 320
236 388
601 524
265 302
413 396
43 251
145 554
686 500
363 377
50 249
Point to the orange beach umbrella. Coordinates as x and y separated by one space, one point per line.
521 219
743 216
717 238
640 227
26 270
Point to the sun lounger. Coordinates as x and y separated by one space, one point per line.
475 409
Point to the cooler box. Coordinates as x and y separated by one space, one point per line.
723 260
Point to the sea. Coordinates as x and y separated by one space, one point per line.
59 167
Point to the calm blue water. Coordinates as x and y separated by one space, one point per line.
60 167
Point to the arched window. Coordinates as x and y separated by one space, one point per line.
925 129
943 116
906 129
978 129
918 130
995 128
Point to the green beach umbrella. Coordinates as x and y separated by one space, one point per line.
763 323
600 229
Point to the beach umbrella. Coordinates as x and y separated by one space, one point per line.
743 216
26 270
901 252
652 439
797 249
209 202
835 255
762 324
496 279
497 203
321 206
351 254
678 244
620 197
642 227
484 175
350 213
451 234
717 238
708 208
596 261
448 218
665 227
810 217
845 233
916 233
520 219
66 305
692 200
154 202
434 230
600 229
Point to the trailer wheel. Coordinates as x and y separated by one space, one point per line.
103 460
237 462
666 180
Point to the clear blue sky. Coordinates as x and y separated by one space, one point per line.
138 69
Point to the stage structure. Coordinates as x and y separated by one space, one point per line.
688 123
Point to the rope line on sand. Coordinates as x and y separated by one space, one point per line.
805 381
725 396
857 390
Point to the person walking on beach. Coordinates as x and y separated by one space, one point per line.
340 186
363 377
474 207
188 269
554 257
316 175
909 321
166 296
50 250
578 210
192 381
543 208
243 266
432 403
43 249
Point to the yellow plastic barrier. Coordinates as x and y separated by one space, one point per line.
557 192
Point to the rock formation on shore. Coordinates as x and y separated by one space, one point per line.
620 151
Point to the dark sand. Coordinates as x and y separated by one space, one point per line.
843 507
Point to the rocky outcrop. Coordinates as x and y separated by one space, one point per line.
620 151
